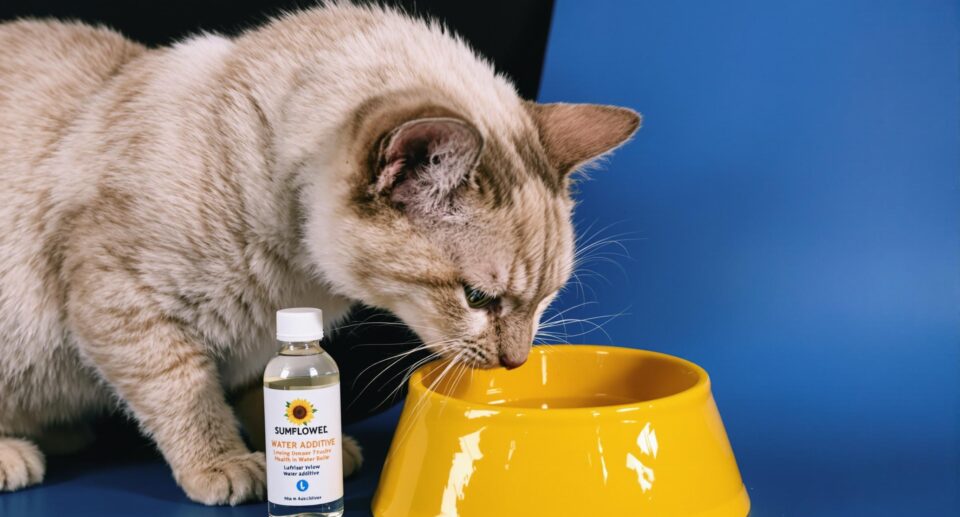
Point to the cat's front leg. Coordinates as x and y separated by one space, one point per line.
170 384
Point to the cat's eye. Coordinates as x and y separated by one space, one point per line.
476 298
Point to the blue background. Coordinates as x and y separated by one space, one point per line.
793 197
791 215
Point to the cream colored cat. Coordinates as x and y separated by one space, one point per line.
158 205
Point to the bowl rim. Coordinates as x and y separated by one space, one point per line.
691 395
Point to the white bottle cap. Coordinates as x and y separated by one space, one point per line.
300 324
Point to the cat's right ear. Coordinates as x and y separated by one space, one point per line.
576 134
424 161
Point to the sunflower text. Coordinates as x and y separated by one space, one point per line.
319 429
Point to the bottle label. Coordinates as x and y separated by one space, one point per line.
304 451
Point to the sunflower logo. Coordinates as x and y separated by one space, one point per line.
299 412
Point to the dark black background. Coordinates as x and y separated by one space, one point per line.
513 34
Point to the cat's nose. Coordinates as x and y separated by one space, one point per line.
511 361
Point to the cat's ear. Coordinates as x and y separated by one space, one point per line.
575 134
423 161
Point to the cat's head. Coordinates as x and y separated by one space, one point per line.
464 233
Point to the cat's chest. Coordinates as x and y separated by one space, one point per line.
250 350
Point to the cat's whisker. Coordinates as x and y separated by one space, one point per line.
434 353
367 323
582 322
585 237
593 327
435 347
409 371
552 324
552 320
395 356
549 335
456 367
461 367
371 382
557 314
362 322
419 405
404 379
580 285
590 272
401 355
398 343
599 251
594 247
406 373
587 242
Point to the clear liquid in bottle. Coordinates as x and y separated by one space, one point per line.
301 400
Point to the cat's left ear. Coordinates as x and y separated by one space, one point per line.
423 161
575 134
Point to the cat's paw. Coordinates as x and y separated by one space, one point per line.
229 480
352 455
21 464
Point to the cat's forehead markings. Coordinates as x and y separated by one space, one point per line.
548 237
508 165
519 268
534 162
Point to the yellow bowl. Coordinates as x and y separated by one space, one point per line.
576 431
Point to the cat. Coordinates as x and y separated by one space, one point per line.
158 205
